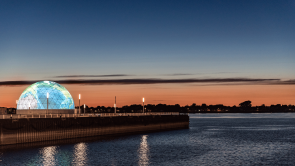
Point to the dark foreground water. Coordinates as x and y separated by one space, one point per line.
213 139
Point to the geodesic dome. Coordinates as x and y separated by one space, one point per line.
35 97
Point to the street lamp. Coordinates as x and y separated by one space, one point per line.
143 105
115 105
84 108
47 102
79 103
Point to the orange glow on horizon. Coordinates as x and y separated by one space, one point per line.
184 94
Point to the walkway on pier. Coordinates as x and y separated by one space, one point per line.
22 116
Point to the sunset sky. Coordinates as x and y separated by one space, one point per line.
170 52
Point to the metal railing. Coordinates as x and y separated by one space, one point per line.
22 116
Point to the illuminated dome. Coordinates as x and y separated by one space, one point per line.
35 97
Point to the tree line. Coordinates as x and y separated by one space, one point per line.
244 107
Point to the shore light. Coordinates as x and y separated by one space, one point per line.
115 105
84 108
79 103
142 105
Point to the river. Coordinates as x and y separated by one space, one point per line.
212 139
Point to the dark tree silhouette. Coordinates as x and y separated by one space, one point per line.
246 104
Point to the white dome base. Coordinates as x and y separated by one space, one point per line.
44 111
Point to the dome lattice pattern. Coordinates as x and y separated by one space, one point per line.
35 97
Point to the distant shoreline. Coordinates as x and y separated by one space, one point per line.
236 112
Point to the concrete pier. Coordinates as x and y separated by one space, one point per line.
25 130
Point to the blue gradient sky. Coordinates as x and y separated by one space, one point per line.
42 39
170 39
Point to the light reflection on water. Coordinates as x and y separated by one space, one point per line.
269 140
80 154
48 155
143 152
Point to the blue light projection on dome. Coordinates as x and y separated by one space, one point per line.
35 97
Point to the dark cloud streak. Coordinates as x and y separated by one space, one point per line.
187 74
215 81
178 74
111 75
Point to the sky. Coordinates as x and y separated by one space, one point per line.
168 51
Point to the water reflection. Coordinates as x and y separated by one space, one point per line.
1 154
48 155
231 144
143 152
80 154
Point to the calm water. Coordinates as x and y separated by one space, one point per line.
213 139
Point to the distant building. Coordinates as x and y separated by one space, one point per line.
10 111
3 110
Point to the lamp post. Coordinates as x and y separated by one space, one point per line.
84 108
142 105
47 102
79 103
115 105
